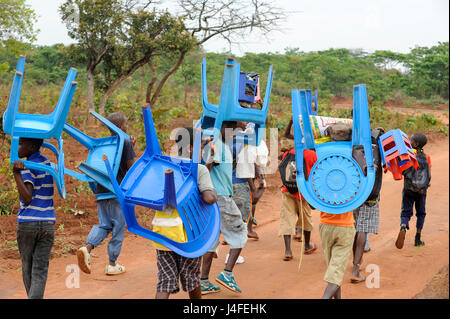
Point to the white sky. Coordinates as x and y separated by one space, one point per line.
314 25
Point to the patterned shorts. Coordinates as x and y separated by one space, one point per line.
367 218
173 267
241 196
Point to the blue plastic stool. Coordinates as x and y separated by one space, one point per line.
243 83
94 167
336 182
157 181
39 126
229 109
396 152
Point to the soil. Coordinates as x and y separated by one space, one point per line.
412 272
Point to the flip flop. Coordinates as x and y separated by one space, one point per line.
254 236
355 280
400 239
288 257
311 250
298 238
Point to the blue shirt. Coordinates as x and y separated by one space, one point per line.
41 206
221 175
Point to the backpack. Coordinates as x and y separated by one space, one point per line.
359 155
418 181
287 169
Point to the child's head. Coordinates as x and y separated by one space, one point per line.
185 141
418 140
29 146
119 120
228 130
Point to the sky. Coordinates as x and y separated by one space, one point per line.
313 25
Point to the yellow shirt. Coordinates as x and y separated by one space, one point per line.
168 223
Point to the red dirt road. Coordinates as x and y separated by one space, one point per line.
403 273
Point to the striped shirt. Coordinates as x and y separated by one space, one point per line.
41 206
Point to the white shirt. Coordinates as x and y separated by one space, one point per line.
248 157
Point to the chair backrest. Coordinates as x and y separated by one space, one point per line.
336 183
14 98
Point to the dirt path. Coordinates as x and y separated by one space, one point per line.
403 273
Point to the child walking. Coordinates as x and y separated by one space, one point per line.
337 233
36 218
294 209
414 192
232 227
367 216
110 215
172 267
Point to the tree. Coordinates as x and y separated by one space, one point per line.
148 35
16 28
96 26
429 70
229 19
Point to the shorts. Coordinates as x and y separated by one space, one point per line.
337 244
173 267
232 227
367 218
289 215
241 196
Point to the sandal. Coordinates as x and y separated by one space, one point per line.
355 280
288 257
298 237
401 238
311 250
253 235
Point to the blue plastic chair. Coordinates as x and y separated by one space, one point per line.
94 167
336 183
39 126
229 109
157 181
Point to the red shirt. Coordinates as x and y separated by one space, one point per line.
310 157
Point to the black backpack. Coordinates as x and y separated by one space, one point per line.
418 181
359 156
287 169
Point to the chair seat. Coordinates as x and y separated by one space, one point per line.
31 127
148 174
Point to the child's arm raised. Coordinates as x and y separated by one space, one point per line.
25 189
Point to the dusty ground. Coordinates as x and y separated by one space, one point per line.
408 273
